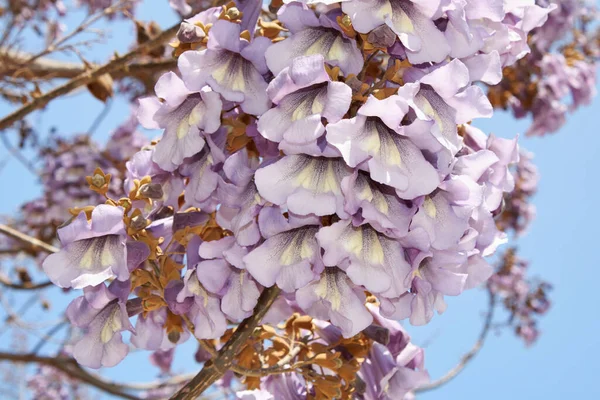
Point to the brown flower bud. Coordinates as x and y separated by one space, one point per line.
151 191
381 37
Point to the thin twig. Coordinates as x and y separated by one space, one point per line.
82 27
87 77
35 243
467 356
16 153
46 68
48 336
98 120
216 367
69 366
4 281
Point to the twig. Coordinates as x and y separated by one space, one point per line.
47 68
23 286
467 356
98 120
69 366
215 368
87 77
48 336
82 27
35 243
18 155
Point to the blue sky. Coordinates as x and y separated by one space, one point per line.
561 245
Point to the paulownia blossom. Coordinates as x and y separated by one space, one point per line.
92 252
328 153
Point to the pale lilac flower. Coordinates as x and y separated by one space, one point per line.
205 312
313 35
185 115
92 252
304 95
369 258
290 256
307 185
103 317
378 205
412 21
231 66
222 272
240 202
375 137
335 298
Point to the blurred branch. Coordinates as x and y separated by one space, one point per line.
23 286
84 78
467 356
16 153
35 243
46 68
216 367
70 367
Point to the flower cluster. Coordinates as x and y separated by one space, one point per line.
327 152
48 383
518 211
523 299
539 84
64 162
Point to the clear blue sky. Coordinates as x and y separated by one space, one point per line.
561 244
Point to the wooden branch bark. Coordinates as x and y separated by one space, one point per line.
47 68
70 367
215 368
468 356
33 242
87 77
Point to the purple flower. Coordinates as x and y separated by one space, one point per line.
307 185
378 205
446 97
374 137
335 298
368 257
304 95
222 272
290 256
203 177
184 115
92 251
412 21
231 66
312 35
150 332
209 321
240 201
102 317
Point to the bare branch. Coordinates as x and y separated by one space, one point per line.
33 242
215 368
46 68
70 367
87 77
467 356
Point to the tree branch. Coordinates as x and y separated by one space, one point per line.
87 77
35 245
467 356
215 368
33 242
47 68
70 367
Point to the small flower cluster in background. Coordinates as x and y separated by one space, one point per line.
562 63
524 299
